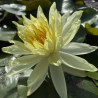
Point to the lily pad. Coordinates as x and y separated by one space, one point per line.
6 33
93 75
91 30
33 5
7 85
16 9
92 3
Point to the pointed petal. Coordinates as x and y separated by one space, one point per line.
14 50
21 29
37 76
55 21
25 60
26 21
71 32
55 59
19 44
65 17
77 62
41 16
78 48
73 71
71 20
58 79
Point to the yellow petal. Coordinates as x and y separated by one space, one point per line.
41 16
19 44
14 50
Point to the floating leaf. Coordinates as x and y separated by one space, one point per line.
96 82
22 91
4 59
16 9
3 14
92 3
67 5
91 30
89 15
8 85
81 88
7 34
33 5
79 2
93 75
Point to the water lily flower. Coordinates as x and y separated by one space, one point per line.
48 46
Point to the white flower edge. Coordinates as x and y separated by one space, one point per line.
77 62
37 76
58 79
78 48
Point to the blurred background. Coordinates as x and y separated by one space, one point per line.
11 10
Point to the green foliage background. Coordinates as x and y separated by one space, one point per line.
15 87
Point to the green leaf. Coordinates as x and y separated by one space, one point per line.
22 91
96 82
89 15
81 87
3 13
4 59
7 85
78 2
93 75
33 5
16 9
91 30
66 5
7 34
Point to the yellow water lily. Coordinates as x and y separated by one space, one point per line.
48 46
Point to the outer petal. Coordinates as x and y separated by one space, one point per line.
25 60
73 71
55 21
77 62
78 48
65 17
71 32
71 20
21 32
58 79
37 76
51 18
14 50
19 44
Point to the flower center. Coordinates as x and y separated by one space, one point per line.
37 33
